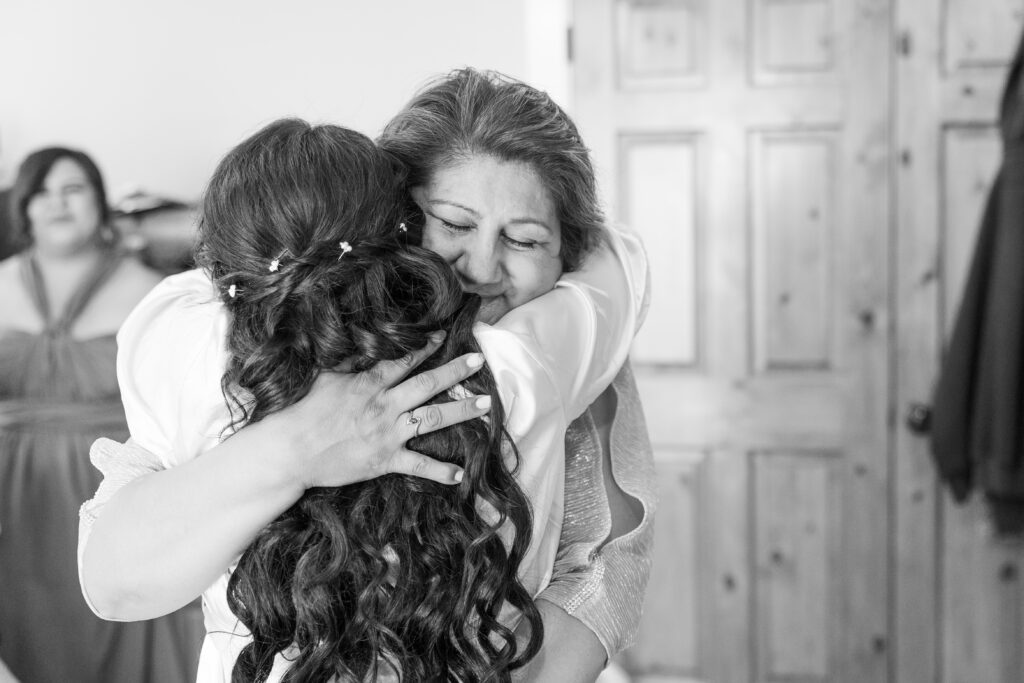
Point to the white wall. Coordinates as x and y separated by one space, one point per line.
158 91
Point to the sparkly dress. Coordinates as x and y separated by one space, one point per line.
58 395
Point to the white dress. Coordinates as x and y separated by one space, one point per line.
550 358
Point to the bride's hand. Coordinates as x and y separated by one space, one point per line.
352 427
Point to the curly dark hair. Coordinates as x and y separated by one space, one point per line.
395 573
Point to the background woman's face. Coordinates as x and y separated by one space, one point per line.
496 224
65 213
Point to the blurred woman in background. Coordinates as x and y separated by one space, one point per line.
66 293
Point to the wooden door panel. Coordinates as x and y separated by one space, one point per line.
980 35
661 43
792 218
796 533
660 188
669 639
792 39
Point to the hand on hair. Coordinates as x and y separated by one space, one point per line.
354 426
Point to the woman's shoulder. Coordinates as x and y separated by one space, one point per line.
10 272
16 309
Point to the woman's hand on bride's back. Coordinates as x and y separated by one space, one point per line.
354 426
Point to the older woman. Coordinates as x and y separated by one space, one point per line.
65 295
533 217
510 200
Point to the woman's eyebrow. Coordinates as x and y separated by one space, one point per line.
472 212
533 221
68 182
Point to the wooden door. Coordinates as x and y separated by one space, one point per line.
748 141
959 598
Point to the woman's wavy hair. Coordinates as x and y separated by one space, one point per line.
397 573
468 112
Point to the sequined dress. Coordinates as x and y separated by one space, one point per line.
58 394
602 582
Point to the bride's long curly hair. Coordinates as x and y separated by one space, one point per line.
397 574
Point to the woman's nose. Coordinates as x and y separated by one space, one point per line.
480 264
56 200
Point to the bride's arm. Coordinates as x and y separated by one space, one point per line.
580 332
156 538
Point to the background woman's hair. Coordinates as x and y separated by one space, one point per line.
468 112
397 571
31 175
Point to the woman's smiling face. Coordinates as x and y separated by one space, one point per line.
497 226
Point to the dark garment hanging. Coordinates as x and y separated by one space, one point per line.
977 422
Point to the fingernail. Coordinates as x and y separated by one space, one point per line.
475 360
483 403
437 337
458 476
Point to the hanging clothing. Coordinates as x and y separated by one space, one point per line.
978 415
58 394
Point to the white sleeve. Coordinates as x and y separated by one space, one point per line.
170 360
550 359
536 422
581 331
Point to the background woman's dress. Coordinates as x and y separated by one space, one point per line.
58 395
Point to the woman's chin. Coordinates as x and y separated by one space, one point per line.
492 310
64 245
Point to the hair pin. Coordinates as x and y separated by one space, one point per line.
275 265
402 228
233 290
345 248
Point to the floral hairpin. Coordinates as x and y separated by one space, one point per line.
402 228
275 264
345 248
233 289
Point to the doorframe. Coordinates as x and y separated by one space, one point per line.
548 48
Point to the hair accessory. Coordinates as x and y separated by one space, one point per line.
402 228
345 248
275 265
232 290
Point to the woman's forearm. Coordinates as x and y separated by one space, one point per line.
165 537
